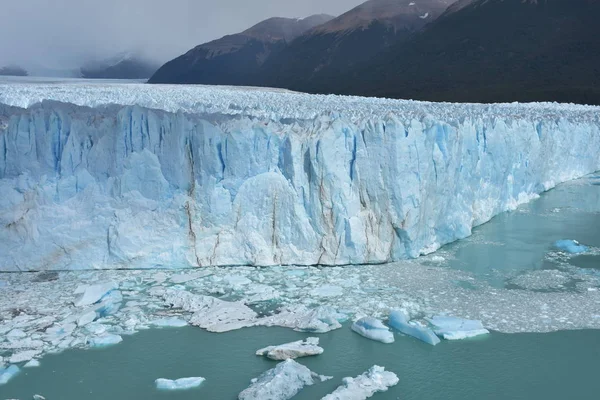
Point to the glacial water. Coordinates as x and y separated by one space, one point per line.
514 251
556 365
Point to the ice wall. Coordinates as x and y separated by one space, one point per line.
124 186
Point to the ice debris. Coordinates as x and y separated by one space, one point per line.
281 383
32 364
453 328
105 340
373 329
24 356
38 397
179 384
301 348
94 293
172 322
376 379
6 374
570 246
399 321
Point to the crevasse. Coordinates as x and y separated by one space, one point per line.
126 186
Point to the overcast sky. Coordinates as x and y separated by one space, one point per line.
65 33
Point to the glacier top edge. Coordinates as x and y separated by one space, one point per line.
267 103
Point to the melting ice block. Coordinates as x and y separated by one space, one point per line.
179 384
301 348
94 293
281 383
571 246
6 374
105 340
376 379
453 328
399 321
374 329
32 364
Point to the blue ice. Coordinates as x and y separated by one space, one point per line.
6 374
373 329
570 246
399 321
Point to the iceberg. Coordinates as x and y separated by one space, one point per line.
300 348
453 328
281 383
98 176
6 374
373 329
571 246
376 379
399 321
179 384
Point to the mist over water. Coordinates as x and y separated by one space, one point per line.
64 34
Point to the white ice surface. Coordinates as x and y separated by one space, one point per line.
454 328
280 383
187 176
300 348
376 379
373 329
179 384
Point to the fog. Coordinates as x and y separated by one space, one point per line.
64 34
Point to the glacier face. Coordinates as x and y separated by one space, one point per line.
250 177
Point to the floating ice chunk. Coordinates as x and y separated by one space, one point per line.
376 379
570 246
172 322
86 317
16 334
105 340
453 328
6 374
210 313
300 318
399 321
110 304
373 329
327 291
94 293
179 384
38 397
301 348
24 356
281 383
32 364
183 278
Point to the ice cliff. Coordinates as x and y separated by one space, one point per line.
131 176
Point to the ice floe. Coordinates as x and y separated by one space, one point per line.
571 246
281 383
454 328
179 384
376 379
300 348
399 321
6 374
172 322
94 293
373 329
105 340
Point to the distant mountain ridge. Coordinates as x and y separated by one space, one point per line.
13 70
122 66
235 59
491 51
348 41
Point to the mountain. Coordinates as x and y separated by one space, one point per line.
349 41
491 51
235 59
122 66
12 70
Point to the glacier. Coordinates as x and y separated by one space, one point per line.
120 176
